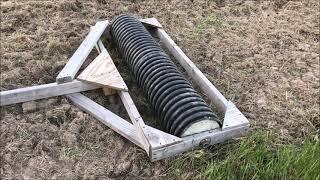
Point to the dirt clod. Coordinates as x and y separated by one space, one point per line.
30 106
69 139
47 103
56 117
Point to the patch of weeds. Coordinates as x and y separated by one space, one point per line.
23 134
209 22
315 120
55 46
91 147
257 156
77 152
71 153
7 46
192 162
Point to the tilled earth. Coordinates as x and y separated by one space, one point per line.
263 55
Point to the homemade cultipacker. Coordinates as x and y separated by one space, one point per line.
102 73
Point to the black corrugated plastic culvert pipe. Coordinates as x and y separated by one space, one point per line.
181 110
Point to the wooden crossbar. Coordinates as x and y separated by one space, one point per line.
43 91
197 141
121 126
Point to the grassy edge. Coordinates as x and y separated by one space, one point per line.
257 156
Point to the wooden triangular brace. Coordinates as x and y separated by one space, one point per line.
151 22
158 139
233 117
102 71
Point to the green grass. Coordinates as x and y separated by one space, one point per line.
257 156
71 153
210 21
208 24
23 134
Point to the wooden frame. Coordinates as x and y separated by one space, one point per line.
156 143
70 70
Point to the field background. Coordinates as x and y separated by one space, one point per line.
263 55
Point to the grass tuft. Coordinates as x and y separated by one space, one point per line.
23 133
209 22
257 156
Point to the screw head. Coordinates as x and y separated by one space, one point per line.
205 142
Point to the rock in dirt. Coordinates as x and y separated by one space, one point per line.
7 158
122 168
30 106
46 103
65 107
147 172
69 139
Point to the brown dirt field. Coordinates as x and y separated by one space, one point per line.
263 55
